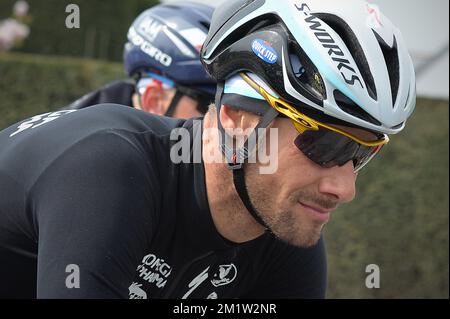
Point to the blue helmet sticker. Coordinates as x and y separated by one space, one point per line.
264 51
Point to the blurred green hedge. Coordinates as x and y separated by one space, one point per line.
31 84
104 26
399 221
400 218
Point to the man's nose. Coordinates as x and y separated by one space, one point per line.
339 182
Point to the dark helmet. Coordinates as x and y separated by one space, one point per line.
167 39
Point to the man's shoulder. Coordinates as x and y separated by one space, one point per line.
46 137
76 123
118 92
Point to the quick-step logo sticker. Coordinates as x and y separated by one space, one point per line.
264 51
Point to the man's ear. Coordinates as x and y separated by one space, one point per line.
151 100
230 118
237 119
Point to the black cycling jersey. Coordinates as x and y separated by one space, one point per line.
95 190
118 92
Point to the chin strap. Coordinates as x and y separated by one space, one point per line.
241 188
173 105
236 157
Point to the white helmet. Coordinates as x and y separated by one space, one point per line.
343 60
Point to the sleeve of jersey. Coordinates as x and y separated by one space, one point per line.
95 207
294 273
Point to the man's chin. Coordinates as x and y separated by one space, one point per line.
305 239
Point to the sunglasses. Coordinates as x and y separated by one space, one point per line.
324 144
153 80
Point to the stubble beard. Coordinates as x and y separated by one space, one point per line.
291 226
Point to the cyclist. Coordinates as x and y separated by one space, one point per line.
162 58
96 204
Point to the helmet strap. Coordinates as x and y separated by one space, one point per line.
173 105
236 157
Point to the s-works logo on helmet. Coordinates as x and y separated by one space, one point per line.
329 43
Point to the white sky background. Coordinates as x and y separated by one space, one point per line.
425 27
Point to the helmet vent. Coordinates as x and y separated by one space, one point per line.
351 41
350 107
392 63
307 74
206 24
244 30
398 126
